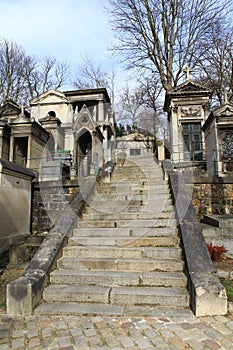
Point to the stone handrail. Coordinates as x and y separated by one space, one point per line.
207 295
25 293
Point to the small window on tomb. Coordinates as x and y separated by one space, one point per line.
20 150
135 152
52 114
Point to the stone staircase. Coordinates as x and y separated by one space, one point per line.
124 256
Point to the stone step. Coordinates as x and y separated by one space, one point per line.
126 191
168 241
159 223
129 231
130 216
122 296
146 206
124 253
130 198
142 265
119 278
142 185
149 296
143 171
78 309
136 176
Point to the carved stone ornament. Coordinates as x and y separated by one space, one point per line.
122 144
228 112
227 144
191 112
175 108
84 118
206 107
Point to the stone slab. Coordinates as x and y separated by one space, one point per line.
79 309
222 221
76 293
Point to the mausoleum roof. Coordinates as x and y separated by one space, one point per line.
90 92
188 88
5 165
222 114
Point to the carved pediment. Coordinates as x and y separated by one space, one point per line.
49 97
20 120
189 86
224 111
9 108
84 119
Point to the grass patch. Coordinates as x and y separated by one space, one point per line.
228 284
3 304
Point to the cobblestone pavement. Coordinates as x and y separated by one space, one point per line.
103 332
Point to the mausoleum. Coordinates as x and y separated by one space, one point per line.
81 125
188 107
218 131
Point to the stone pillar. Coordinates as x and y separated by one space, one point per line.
11 156
101 111
105 145
174 135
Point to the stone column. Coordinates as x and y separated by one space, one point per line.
174 134
105 145
101 111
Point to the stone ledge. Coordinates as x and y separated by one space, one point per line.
25 293
207 295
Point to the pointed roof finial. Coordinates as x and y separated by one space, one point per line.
187 70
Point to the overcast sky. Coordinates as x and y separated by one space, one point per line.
66 29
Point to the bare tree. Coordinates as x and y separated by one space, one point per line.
154 119
163 35
130 106
12 61
53 73
215 69
23 77
91 75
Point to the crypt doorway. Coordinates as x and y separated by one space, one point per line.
84 153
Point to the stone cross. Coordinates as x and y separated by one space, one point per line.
187 70
226 97
22 109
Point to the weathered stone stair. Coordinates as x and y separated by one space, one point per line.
124 256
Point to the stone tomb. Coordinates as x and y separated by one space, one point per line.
188 107
218 130
22 139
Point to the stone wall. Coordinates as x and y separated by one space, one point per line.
15 203
213 196
49 201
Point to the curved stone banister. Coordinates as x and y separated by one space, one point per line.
207 295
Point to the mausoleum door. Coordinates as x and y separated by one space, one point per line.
192 142
84 154
20 152
227 150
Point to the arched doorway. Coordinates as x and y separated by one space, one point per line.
84 153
